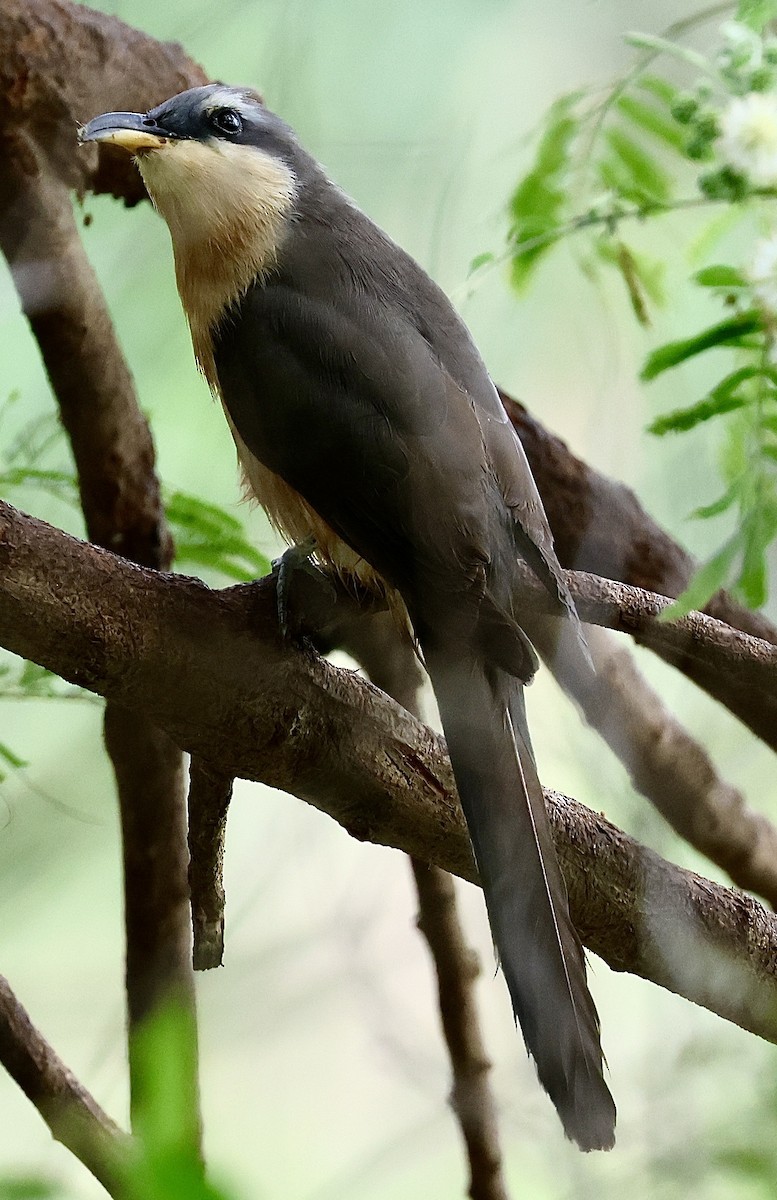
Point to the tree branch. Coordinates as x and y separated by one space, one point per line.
392 664
213 670
120 496
457 968
210 793
599 526
665 763
743 661
71 1113
62 63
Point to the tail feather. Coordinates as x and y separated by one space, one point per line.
484 720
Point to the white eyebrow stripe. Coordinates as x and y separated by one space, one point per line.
228 98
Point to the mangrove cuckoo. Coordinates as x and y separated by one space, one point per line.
365 419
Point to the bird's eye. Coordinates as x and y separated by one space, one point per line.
226 120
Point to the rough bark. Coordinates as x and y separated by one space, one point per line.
71 1113
120 496
61 64
665 763
210 793
599 526
212 670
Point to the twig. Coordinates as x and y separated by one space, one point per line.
210 793
212 669
457 968
665 763
392 664
71 1113
599 526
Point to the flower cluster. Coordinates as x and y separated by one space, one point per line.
748 137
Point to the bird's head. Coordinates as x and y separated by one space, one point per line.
225 173
212 158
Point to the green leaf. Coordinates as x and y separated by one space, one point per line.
168 1176
707 580
194 513
480 260
759 532
632 272
166 1165
553 152
720 276
537 202
20 475
721 505
722 399
647 181
731 382
13 760
164 1051
660 45
756 13
729 332
218 559
646 117
658 87
682 419
206 535
643 277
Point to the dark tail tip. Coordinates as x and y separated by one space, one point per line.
588 1117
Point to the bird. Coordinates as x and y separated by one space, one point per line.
368 427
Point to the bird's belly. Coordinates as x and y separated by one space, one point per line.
296 521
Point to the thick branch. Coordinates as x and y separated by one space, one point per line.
213 671
599 526
741 660
666 764
62 63
120 496
71 1113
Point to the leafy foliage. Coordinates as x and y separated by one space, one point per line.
538 201
645 148
207 536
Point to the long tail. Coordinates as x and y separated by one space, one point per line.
483 716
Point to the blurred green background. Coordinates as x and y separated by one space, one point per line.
323 1073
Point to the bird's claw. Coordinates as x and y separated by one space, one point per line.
296 558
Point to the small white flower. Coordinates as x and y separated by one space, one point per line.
763 273
748 137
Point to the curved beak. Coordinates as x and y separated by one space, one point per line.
134 132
